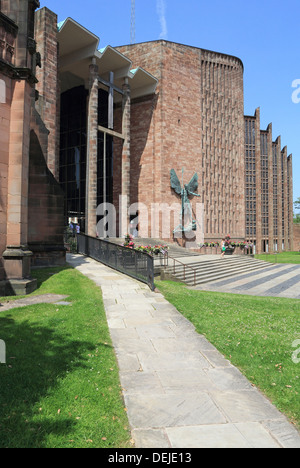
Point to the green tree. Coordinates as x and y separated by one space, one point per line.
297 207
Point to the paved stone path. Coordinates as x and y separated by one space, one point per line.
281 280
179 390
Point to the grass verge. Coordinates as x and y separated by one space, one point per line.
284 257
258 335
60 385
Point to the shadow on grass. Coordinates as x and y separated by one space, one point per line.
37 358
42 275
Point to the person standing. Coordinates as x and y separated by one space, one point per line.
223 248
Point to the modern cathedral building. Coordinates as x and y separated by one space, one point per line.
83 126
164 106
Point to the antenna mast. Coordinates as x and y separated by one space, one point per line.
132 26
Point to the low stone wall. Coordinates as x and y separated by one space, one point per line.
297 237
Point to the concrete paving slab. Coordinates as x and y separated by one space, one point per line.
216 359
221 436
172 361
137 382
179 391
245 405
120 336
145 321
228 378
116 323
257 435
173 344
129 362
165 309
159 411
132 346
158 330
151 438
138 306
283 432
187 381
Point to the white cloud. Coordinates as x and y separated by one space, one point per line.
161 11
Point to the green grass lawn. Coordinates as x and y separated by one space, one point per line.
60 385
257 334
284 257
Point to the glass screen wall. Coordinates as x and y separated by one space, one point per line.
72 171
73 149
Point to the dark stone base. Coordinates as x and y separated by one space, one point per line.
15 287
47 255
16 260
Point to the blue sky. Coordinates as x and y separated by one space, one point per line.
263 34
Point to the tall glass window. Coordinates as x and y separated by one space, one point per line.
72 172
73 150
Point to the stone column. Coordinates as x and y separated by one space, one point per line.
291 204
285 199
258 182
17 256
125 200
48 104
270 191
92 152
279 193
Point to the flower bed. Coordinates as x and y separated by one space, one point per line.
129 241
153 249
231 246
150 249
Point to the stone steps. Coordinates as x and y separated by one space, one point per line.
199 269
206 271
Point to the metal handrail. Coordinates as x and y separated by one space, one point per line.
138 265
184 267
